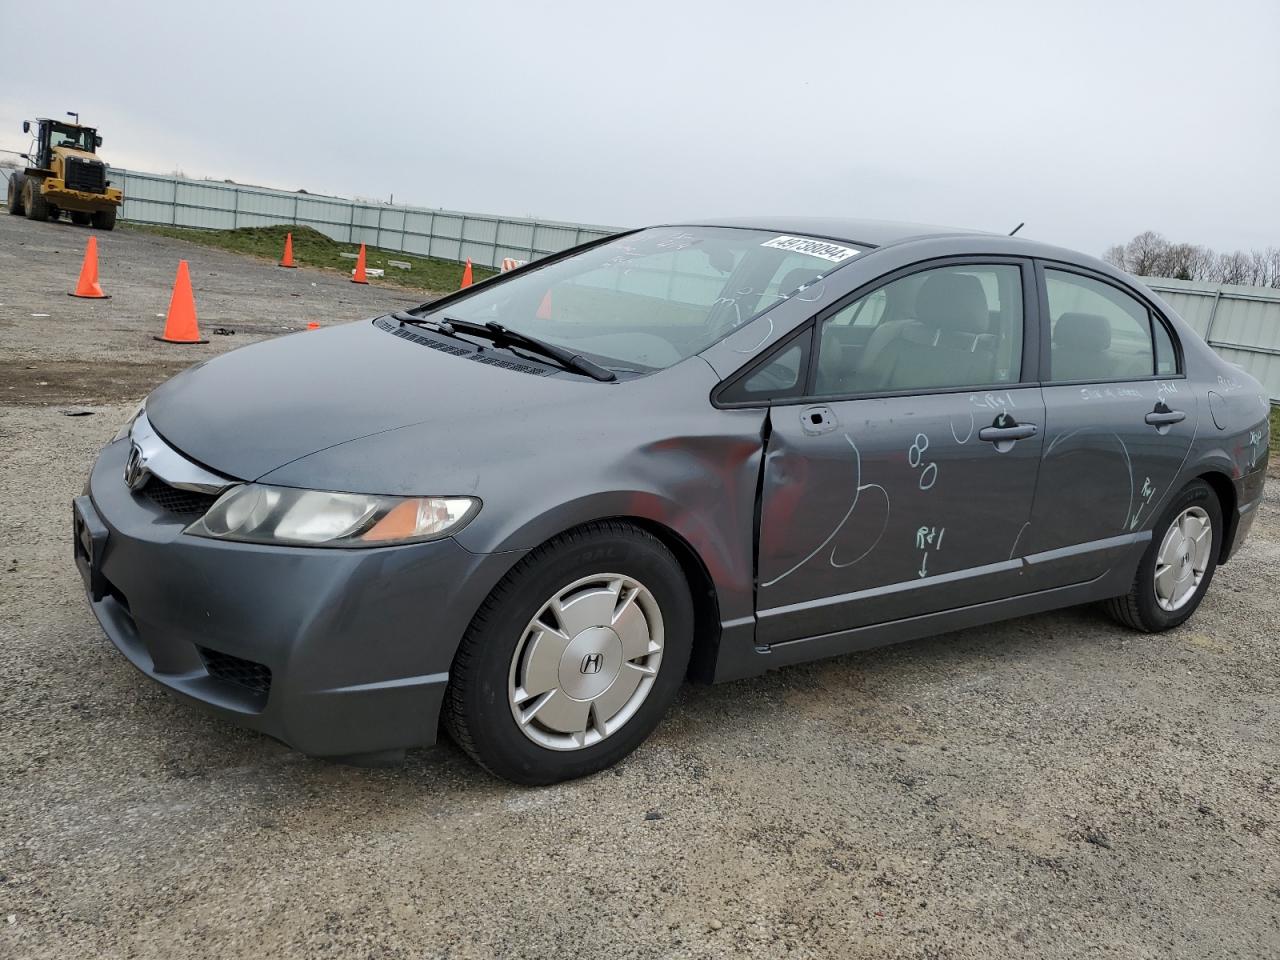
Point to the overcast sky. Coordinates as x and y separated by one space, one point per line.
1090 121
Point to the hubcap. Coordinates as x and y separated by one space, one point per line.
1183 558
586 662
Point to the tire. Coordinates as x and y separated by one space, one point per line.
14 198
33 200
80 218
496 660
105 219
1143 607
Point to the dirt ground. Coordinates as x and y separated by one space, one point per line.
56 349
1054 786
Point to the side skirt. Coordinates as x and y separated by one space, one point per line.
740 660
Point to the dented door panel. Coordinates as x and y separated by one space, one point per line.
890 507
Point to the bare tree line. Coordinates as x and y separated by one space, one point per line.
1151 255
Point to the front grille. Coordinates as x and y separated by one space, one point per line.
237 670
184 503
87 175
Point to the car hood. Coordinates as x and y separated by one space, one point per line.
251 411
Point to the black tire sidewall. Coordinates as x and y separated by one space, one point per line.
1199 494
499 743
36 208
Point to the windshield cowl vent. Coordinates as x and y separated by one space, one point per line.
427 339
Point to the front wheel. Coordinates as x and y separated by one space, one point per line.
1178 565
574 658
105 219
33 200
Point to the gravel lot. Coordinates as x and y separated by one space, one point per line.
1049 787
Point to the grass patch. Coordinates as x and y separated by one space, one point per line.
1275 424
311 248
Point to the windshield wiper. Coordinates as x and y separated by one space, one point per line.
499 334
439 326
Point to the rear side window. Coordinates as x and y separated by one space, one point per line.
1098 332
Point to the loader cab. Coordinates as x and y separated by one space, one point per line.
51 134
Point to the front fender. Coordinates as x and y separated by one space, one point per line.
701 489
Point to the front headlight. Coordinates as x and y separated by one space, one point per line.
128 424
256 513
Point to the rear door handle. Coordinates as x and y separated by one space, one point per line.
1020 431
1163 418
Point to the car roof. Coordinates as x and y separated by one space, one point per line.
870 233
881 233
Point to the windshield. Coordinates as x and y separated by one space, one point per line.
650 299
78 138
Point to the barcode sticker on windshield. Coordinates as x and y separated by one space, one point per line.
823 249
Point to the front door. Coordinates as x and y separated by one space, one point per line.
1119 423
903 483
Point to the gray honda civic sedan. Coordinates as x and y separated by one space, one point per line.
529 510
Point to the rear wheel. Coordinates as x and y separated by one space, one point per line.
14 198
80 218
1178 565
574 658
105 219
33 200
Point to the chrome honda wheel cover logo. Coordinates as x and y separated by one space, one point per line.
591 663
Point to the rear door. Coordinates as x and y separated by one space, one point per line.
901 481
1119 423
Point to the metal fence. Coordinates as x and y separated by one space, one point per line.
447 234
1241 323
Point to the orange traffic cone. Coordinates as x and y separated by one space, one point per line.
357 275
466 275
88 286
287 259
180 324
544 308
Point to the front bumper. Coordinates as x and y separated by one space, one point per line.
358 643
60 195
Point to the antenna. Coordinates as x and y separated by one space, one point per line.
1017 228
72 113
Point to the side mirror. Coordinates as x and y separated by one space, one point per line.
97 141
26 126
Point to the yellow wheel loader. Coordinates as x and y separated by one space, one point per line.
64 175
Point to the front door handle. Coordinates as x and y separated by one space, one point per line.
1019 431
1164 418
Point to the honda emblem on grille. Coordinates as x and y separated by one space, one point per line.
592 663
135 468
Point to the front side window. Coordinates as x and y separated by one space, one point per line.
944 328
1098 332
652 298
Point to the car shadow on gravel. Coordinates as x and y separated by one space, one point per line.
698 717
